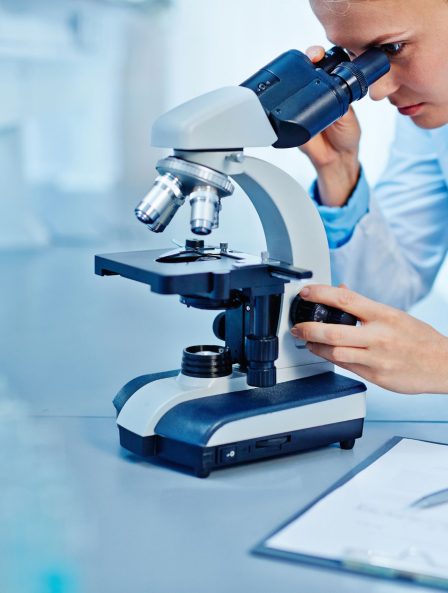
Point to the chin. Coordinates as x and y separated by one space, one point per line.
430 121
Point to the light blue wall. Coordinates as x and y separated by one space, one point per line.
80 83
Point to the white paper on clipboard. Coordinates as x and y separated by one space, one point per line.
369 520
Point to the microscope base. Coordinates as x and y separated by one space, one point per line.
203 460
231 428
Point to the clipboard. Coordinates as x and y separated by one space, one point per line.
361 560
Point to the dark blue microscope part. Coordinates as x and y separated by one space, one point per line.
195 421
214 278
301 99
183 432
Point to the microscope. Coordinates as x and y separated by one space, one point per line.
259 393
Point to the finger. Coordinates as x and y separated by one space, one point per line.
315 53
332 334
315 146
345 299
348 118
359 369
340 354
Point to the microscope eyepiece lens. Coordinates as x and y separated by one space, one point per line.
162 202
363 71
373 63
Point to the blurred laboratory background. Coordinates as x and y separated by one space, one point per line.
80 83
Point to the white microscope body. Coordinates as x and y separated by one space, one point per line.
231 404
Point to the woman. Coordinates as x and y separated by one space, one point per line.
390 253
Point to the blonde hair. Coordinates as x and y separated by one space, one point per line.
340 6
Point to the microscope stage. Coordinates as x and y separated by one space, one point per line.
213 275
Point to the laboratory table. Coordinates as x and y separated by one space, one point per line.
72 340
155 530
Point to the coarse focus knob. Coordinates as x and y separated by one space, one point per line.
261 353
307 311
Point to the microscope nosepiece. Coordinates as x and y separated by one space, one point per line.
162 202
178 179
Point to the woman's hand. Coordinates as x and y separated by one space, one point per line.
389 347
334 153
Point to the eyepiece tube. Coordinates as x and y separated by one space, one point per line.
363 71
373 63
333 57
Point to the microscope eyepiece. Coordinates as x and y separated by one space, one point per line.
362 72
373 63
301 99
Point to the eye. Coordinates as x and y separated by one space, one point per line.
392 49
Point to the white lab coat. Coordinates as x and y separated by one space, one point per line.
398 246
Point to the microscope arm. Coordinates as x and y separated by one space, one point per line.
294 234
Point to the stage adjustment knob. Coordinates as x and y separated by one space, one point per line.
307 311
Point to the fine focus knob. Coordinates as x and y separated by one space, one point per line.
261 353
307 311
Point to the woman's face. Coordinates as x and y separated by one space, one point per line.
414 34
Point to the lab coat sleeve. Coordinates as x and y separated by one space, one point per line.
340 223
398 246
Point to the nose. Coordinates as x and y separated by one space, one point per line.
386 86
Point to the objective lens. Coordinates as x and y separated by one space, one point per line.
160 205
205 207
